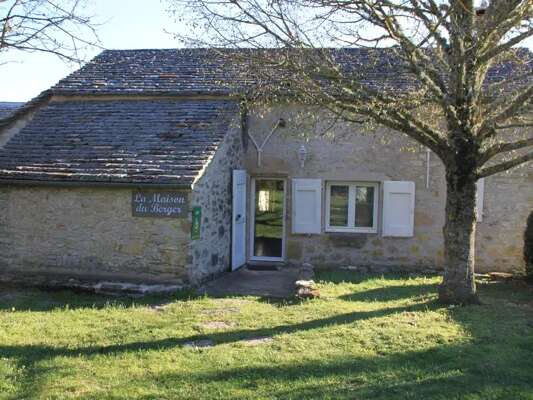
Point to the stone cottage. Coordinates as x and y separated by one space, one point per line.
143 166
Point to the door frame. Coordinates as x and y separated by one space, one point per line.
251 256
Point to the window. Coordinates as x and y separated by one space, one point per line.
351 207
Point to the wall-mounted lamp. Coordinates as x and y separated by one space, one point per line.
302 155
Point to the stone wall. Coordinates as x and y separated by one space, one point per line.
500 235
349 152
210 255
53 234
87 233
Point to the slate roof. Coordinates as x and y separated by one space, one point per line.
164 141
161 71
8 107
203 71
215 71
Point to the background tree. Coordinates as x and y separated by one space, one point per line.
528 248
58 27
466 93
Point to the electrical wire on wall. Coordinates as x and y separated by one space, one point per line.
280 124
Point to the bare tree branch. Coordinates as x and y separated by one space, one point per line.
446 48
506 108
504 166
505 46
504 147
52 26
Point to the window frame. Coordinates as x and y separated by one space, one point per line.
352 188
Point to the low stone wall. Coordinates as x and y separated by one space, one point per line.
51 233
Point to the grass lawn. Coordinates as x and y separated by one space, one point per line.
370 338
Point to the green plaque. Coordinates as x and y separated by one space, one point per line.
196 220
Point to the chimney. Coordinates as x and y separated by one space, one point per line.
482 8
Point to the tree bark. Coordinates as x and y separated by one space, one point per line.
458 286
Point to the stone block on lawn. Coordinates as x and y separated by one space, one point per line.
306 289
196 344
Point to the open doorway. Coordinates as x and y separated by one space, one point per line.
268 219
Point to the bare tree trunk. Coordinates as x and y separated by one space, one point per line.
458 286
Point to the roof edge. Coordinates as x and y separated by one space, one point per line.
25 109
162 95
52 183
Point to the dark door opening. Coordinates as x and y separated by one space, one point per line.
269 211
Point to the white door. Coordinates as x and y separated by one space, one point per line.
238 233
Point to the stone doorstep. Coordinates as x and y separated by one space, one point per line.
245 282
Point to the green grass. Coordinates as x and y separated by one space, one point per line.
268 225
370 338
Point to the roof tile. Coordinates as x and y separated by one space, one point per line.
227 71
120 141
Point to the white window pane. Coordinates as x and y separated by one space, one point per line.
364 207
263 201
338 211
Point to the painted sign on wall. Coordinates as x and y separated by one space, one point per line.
164 204
196 221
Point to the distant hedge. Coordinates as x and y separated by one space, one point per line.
528 247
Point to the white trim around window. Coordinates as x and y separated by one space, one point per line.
351 212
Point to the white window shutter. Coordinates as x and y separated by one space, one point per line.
306 205
398 208
479 198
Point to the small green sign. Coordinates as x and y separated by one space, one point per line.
196 220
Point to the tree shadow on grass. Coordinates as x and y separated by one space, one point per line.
41 300
218 338
32 356
492 361
348 276
453 371
392 293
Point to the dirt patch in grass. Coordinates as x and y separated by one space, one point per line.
215 325
251 342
